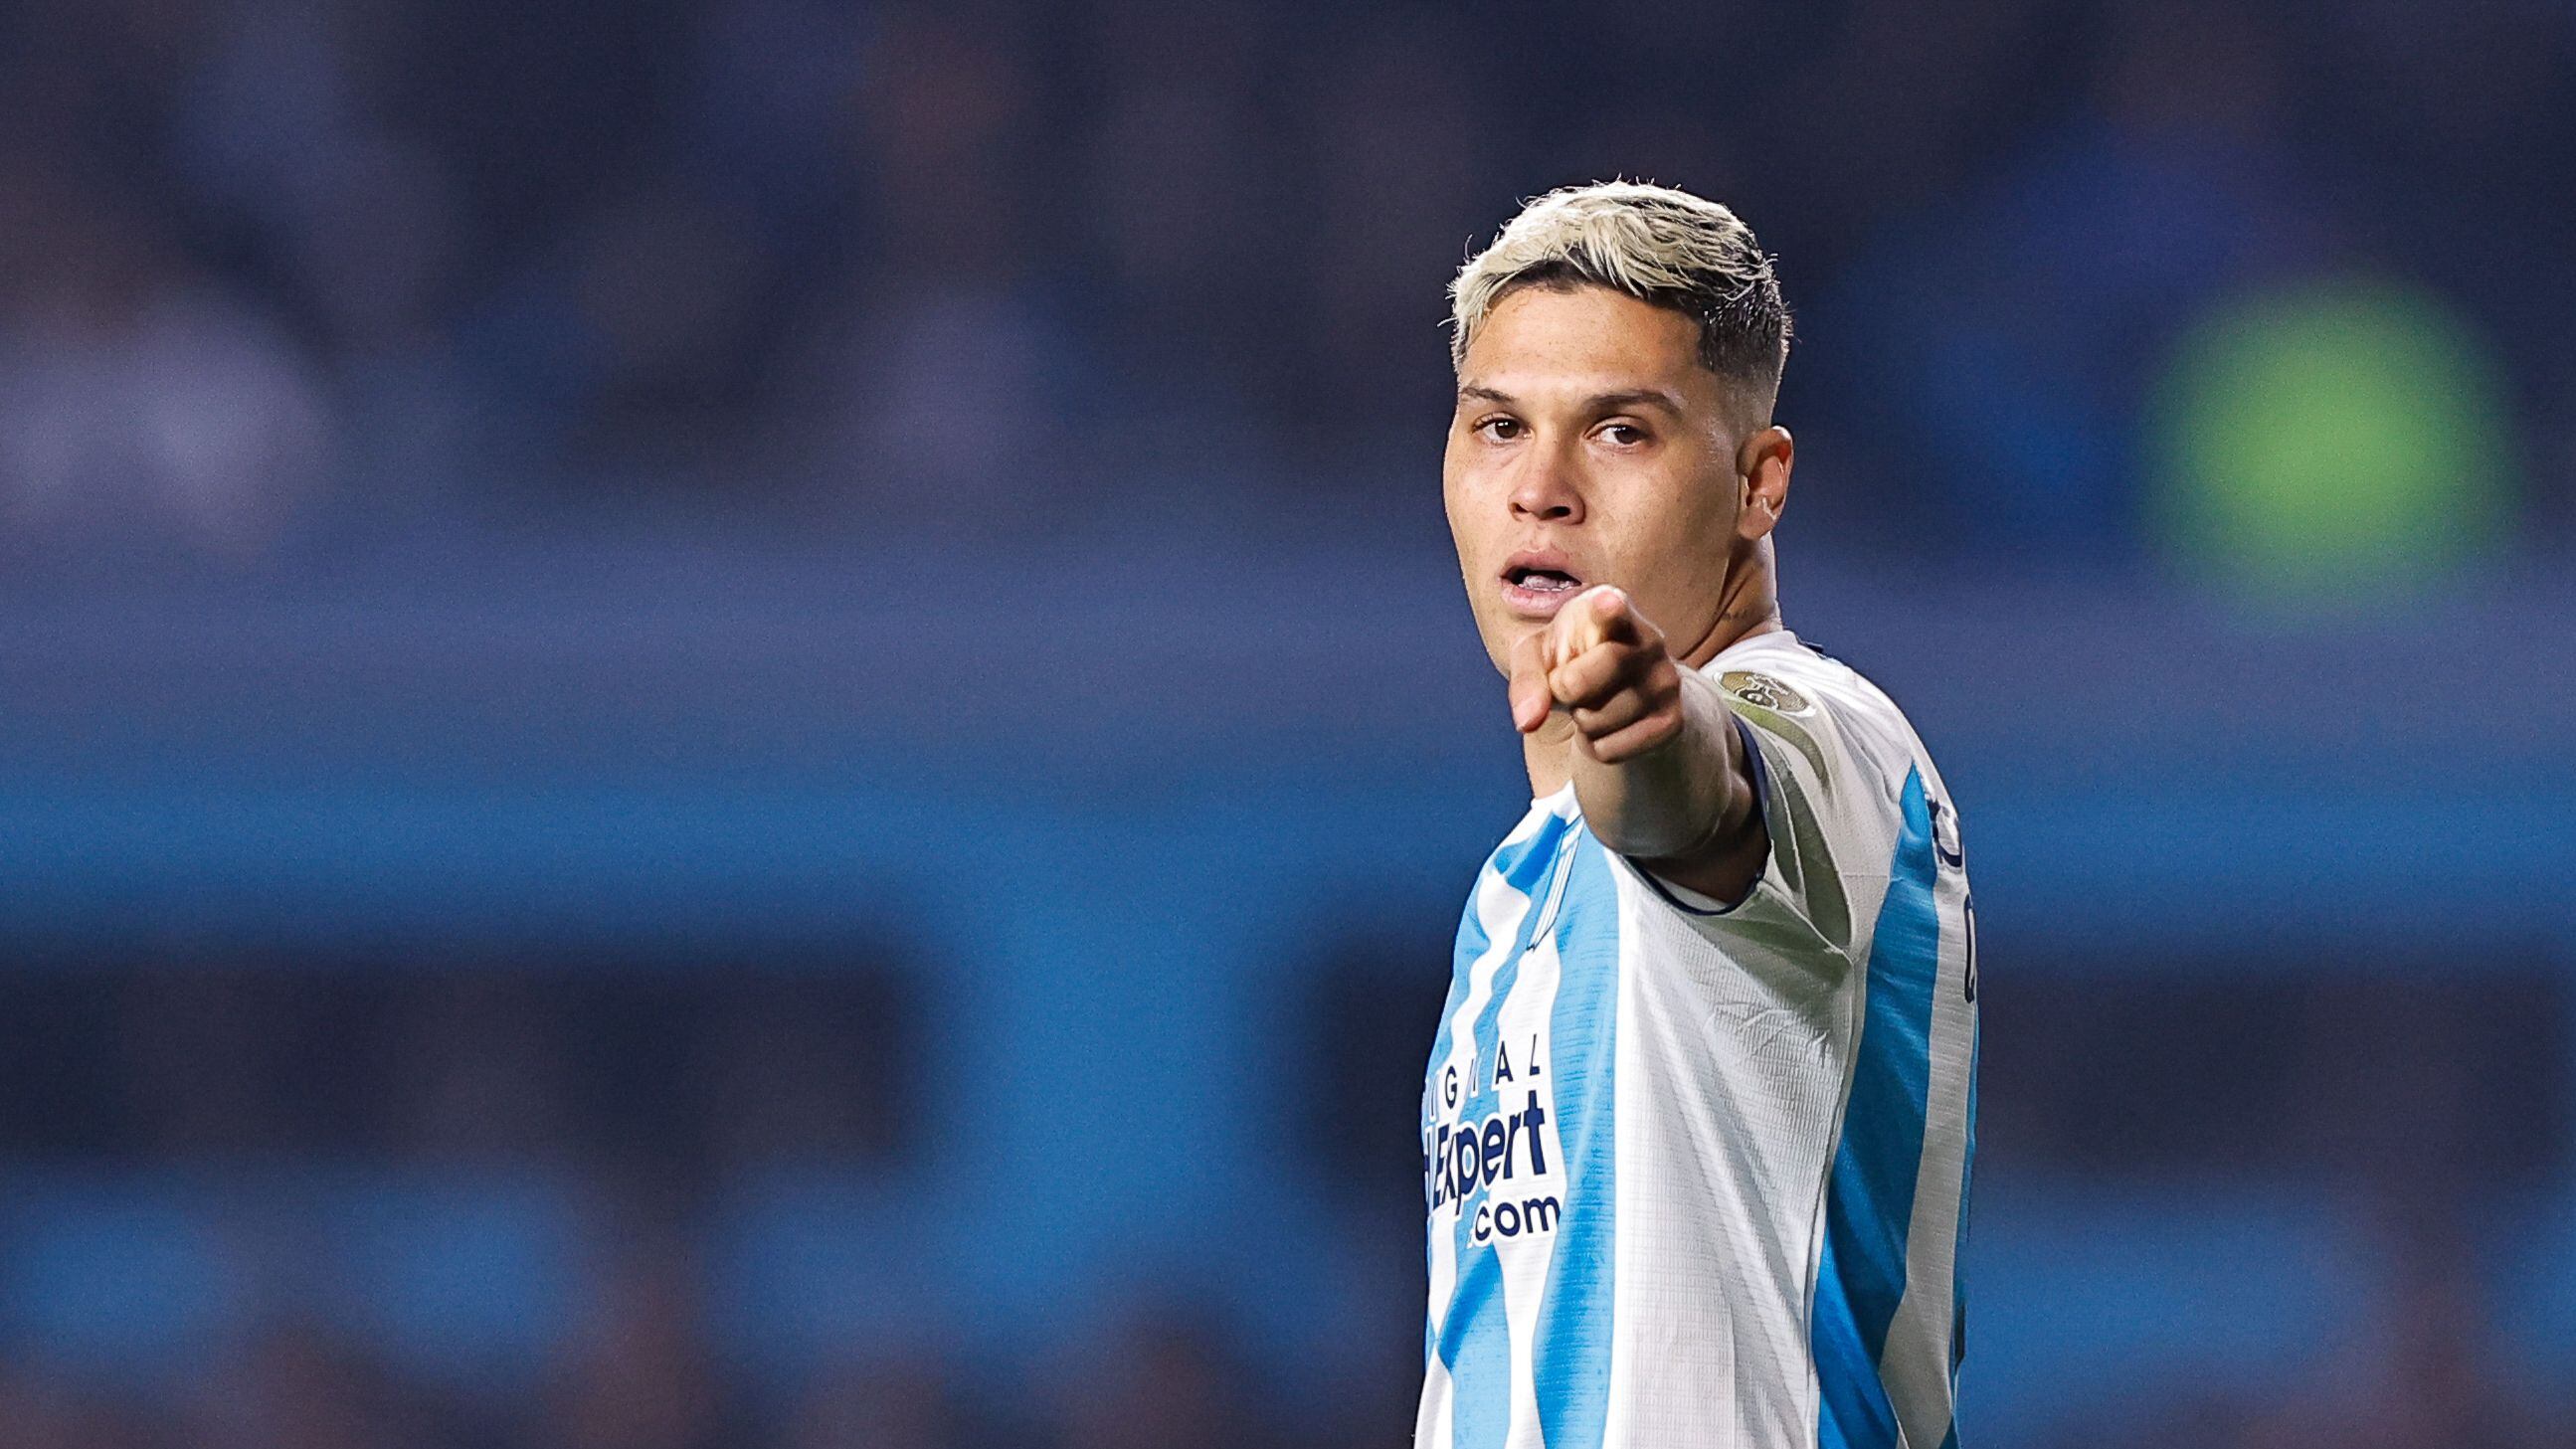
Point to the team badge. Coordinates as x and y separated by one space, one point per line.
1762 691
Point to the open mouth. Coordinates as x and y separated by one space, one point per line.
1542 581
1537 585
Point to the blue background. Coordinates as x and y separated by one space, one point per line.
743 494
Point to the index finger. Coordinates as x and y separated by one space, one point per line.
1602 615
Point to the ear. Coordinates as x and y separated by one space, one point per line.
1762 472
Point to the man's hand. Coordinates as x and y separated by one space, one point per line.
1656 762
1604 664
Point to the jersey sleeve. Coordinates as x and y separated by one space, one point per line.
1828 780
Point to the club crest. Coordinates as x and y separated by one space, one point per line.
1762 691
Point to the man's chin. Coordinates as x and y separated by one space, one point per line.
1503 633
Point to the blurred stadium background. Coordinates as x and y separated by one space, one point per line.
745 722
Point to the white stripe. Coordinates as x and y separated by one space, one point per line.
1916 1361
1431 1427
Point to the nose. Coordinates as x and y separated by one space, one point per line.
1546 491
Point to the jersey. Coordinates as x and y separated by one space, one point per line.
1697 1173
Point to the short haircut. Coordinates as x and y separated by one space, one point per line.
1663 247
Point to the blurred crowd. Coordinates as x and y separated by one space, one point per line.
268 265
642 1375
576 1200
263 1202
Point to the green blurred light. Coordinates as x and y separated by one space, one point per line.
2334 441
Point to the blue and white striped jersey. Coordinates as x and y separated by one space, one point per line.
1697 1176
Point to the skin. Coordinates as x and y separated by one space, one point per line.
1587 427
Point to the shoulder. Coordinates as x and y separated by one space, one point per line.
1779 673
1839 771
1786 687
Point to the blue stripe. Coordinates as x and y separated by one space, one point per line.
1524 865
1869 1202
1475 1335
1518 865
1853 1411
1476 1309
1472 942
1570 1367
1477 1344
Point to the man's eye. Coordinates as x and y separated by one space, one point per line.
1624 435
1500 429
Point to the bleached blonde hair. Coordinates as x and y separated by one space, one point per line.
1658 245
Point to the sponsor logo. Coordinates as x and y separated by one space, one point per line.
1493 1167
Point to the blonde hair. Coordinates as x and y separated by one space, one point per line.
1664 247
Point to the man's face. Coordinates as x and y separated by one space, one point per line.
1590 447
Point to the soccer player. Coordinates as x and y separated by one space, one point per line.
1698 1118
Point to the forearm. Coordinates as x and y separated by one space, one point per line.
1684 802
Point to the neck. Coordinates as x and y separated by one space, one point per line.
1548 753
1748 603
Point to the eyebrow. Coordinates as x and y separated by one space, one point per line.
1597 403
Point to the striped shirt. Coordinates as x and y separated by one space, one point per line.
1697 1175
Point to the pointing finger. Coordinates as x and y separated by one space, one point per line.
1577 626
1614 616
1599 615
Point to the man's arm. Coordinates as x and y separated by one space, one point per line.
1656 759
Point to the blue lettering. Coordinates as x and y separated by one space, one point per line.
1461 1160
1512 1219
